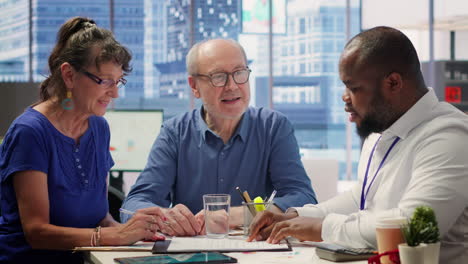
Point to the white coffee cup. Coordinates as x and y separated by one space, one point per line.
389 235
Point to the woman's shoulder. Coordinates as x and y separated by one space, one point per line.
99 127
99 123
27 131
99 120
30 120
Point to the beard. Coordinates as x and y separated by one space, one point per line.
380 117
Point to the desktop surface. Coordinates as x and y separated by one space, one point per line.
302 253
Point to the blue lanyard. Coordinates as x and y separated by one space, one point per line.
363 192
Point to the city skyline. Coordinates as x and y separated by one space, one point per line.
159 34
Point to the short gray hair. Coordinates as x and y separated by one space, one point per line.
191 60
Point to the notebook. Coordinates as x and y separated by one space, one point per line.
339 253
204 244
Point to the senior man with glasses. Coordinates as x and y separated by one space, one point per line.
220 146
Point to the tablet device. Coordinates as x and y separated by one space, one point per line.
195 258
338 253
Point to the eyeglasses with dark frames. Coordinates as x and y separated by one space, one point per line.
106 83
220 79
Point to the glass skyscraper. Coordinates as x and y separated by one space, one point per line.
171 28
14 41
185 23
306 84
47 17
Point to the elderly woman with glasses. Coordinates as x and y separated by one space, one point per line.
55 157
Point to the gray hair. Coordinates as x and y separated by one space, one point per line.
77 38
191 60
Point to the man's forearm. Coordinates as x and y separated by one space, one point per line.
236 216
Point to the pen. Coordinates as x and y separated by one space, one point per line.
241 195
125 211
270 199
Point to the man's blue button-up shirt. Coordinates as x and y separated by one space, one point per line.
188 160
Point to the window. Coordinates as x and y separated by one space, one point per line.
302 68
305 56
327 23
302 25
302 48
328 46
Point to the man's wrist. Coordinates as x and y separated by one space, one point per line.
291 213
236 216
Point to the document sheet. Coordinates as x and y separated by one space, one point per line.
230 244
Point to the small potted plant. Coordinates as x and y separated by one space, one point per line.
429 233
422 238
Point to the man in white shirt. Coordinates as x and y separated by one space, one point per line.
414 153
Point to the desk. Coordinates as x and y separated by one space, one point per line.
302 253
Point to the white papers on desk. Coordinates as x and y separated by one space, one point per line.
199 244
138 246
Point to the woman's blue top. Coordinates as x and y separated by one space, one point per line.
76 180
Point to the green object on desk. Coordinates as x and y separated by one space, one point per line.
259 204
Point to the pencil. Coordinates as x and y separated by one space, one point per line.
249 203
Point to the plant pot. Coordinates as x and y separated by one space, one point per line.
432 253
412 255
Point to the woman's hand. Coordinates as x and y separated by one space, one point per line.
302 228
263 224
142 226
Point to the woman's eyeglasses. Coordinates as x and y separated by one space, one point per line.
106 83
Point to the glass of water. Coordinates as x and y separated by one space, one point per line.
217 214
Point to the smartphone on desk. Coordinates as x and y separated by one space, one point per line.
339 253
192 258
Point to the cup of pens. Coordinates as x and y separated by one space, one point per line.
250 211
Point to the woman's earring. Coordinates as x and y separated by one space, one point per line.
67 103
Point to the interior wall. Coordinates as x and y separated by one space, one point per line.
401 14
14 98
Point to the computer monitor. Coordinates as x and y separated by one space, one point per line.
132 136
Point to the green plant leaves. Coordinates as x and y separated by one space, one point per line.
422 227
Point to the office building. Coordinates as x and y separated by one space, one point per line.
47 17
306 84
14 41
311 47
211 19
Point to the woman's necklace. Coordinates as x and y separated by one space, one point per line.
69 132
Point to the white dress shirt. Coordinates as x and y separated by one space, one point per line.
427 166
